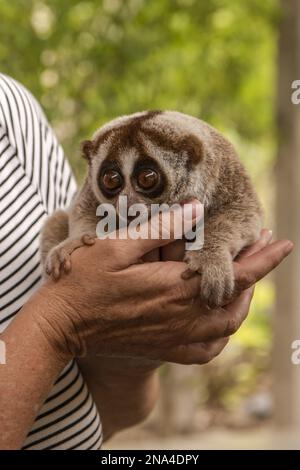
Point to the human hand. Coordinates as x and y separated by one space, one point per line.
255 262
112 305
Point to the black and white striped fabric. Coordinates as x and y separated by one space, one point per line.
35 179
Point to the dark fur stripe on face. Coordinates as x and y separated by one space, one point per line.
130 134
126 133
189 144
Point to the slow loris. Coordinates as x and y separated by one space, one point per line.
163 157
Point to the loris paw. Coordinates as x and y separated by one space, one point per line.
59 258
217 278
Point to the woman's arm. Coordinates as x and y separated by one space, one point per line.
32 366
68 319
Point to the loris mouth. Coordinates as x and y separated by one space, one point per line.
127 212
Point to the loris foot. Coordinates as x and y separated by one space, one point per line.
59 258
216 270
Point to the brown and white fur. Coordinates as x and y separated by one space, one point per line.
193 161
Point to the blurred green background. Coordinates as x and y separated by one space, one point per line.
90 61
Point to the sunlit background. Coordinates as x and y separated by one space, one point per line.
90 61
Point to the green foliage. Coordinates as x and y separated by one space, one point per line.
257 332
89 61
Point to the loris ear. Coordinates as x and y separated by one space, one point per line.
87 149
194 148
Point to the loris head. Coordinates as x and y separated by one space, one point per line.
150 157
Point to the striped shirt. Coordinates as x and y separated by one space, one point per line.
35 180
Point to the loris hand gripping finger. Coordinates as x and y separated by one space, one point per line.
163 157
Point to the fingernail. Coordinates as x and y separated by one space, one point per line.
192 210
288 247
266 236
270 235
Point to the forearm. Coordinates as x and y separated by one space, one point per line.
31 368
124 390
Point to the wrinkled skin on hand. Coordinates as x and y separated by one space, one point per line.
117 306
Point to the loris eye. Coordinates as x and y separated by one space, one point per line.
147 179
112 180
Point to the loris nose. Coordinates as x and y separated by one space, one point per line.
131 199
124 202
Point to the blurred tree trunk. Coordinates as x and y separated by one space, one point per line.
178 405
287 318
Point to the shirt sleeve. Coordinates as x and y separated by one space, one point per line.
36 145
